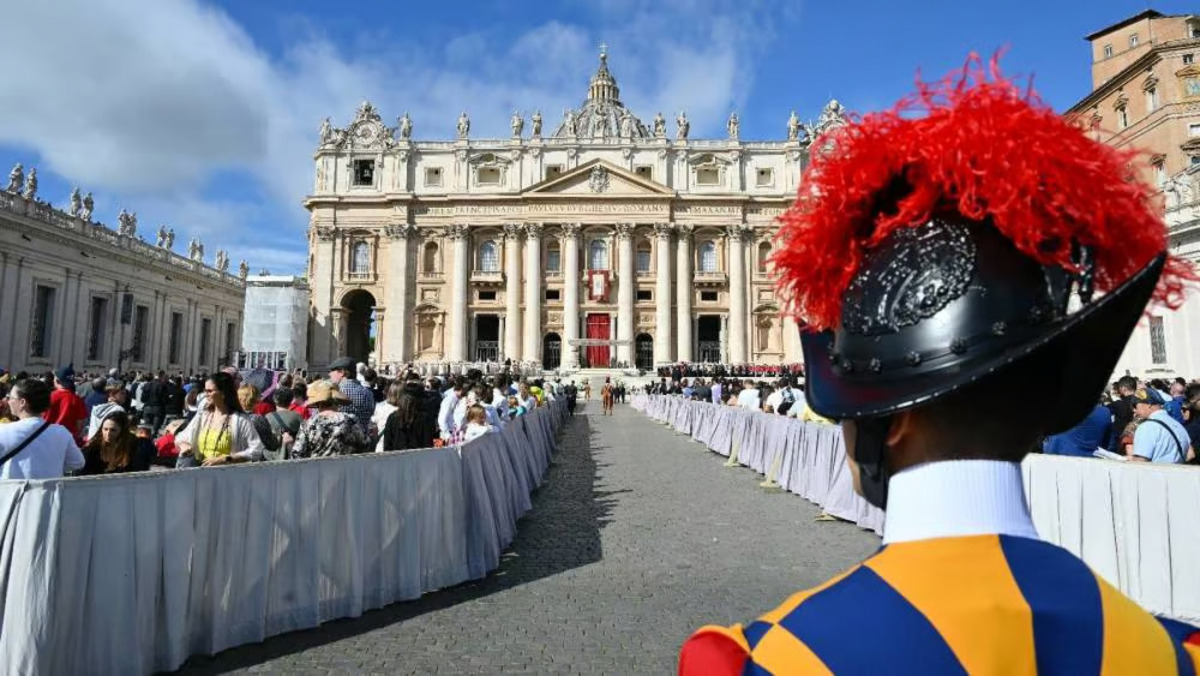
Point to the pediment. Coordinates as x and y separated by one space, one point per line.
598 178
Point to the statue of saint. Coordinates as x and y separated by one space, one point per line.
133 224
626 124
683 126
88 205
326 132
517 124
76 202
16 178
793 127
537 123
243 270
660 126
222 260
406 126
123 223
31 184
170 238
569 121
193 249
733 126
161 242
464 125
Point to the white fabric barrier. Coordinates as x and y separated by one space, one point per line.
808 459
132 574
1133 523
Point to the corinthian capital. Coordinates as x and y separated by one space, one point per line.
663 231
513 231
533 230
625 231
685 231
456 231
738 232
324 233
400 231
571 230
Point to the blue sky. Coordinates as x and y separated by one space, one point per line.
203 114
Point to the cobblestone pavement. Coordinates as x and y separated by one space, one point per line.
638 537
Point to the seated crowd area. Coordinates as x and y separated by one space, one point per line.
64 423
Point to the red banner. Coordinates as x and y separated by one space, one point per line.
598 286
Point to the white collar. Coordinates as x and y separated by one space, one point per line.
955 498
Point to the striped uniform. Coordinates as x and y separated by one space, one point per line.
982 604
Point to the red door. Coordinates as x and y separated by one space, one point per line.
599 327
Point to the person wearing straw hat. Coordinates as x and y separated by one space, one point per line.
329 431
932 252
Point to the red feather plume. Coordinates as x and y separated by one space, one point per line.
980 147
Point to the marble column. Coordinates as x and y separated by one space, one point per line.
397 347
683 293
626 286
570 251
512 292
737 294
662 294
457 234
533 292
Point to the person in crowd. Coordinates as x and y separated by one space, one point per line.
156 397
1174 404
570 392
384 410
330 430
449 403
176 397
284 422
1121 408
407 427
500 397
749 397
587 390
300 399
1159 437
1092 433
248 399
476 423
361 402
717 390
117 401
606 397
116 449
166 452
221 432
526 396
32 448
66 407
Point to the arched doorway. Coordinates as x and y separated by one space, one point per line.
551 351
644 352
359 327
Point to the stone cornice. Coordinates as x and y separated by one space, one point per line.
1122 78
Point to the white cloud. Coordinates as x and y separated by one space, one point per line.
144 101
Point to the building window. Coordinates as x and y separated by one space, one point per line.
433 176
645 294
487 295
708 296
764 178
97 318
1187 59
1158 341
489 257
643 257
598 255
230 338
708 257
553 171
1191 86
360 257
553 257
1194 160
141 325
205 340
1194 130
1160 173
429 259
1195 32
364 172
1122 118
553 294
176 341
764 253
644 171
708 176
1133 40
43 319
488 176
1107 51
1151 100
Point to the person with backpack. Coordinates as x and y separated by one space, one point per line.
284 422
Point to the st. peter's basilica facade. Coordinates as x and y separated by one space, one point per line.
604 241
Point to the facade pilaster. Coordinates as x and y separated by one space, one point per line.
512 291
570 250
626 283
457 234
683 292
533 292
662 293
737 294
397 347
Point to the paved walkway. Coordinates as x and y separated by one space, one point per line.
638 537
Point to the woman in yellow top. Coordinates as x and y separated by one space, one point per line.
221 432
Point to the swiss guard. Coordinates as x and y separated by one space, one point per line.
933 251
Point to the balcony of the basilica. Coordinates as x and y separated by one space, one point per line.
710 278
487 277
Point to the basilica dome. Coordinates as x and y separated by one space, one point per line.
602 115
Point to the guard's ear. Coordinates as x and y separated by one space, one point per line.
902 430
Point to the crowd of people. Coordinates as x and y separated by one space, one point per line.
63 423
784 396
677 372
